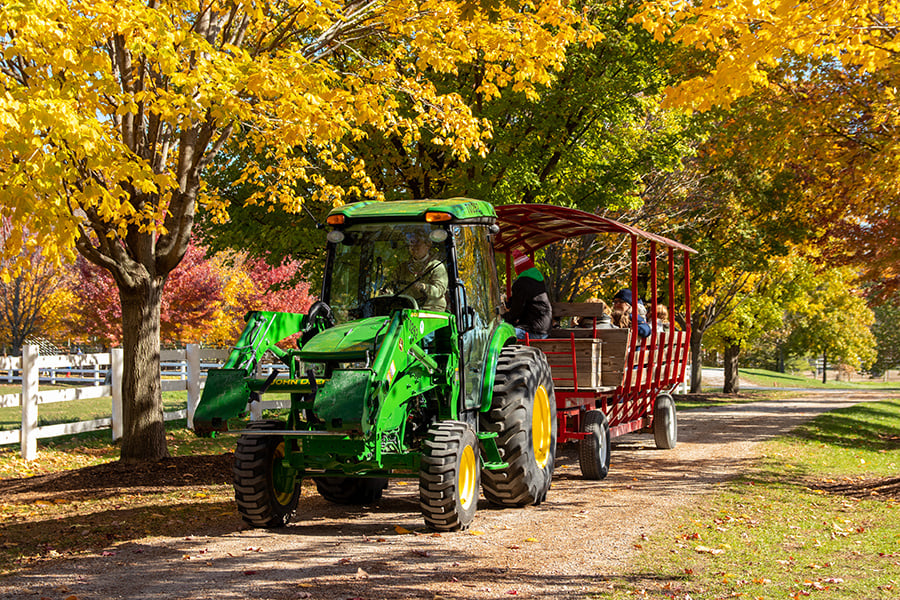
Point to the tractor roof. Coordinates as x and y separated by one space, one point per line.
460 209
529 227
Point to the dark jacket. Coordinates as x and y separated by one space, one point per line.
529 305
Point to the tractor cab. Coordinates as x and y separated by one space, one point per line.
376 268
426 257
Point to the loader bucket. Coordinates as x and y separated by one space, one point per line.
225 396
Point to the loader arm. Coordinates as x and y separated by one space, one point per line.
227 389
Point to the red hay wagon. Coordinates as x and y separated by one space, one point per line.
608 382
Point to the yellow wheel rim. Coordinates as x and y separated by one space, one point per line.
282 482
540 427
468 472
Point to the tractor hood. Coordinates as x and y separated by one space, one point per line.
348 341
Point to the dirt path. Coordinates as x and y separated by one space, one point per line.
585 531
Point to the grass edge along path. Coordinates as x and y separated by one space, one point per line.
803 524
766 378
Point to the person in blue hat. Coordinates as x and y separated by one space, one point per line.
622 302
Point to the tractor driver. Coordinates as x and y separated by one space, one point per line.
428 273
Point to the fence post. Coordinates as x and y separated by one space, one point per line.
29 401
192 358
116 363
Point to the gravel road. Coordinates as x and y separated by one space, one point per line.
564 548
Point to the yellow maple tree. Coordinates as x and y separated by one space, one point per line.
812 92
746 38
111 112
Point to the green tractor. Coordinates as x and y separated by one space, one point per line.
404 368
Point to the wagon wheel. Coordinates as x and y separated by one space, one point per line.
351 490
266 491
665 422
449 476
523 414
594 450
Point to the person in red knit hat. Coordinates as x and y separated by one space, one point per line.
529 309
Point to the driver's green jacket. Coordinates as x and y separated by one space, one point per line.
430 292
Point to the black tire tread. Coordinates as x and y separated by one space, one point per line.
351 490
438 476
521 483
252 490
592 464
663 410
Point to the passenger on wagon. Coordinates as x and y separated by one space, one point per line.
603 322
662 317
622 304
529 305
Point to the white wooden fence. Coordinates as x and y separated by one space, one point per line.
181 371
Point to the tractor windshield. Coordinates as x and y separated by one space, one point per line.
378 268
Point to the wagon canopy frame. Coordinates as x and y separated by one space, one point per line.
530 227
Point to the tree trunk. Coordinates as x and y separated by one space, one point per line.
696 362
732 379
824 366
144 433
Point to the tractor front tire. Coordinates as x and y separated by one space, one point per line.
594 450
665 422
351 490
523 414
449 476
266 491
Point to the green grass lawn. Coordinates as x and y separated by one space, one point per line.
79 410
766 378
779 532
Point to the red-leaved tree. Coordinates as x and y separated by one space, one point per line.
193 293
205 299
255 285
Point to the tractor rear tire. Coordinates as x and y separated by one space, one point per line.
523 414
665 422
351 490
594 450
266 491
449 476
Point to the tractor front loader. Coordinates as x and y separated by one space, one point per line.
404 368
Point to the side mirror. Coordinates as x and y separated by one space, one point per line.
466 312
468 318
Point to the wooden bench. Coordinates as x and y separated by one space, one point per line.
579 309
572 359
601 356
598 358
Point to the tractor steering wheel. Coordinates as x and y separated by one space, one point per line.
318 312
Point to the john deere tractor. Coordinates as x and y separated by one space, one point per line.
403 368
